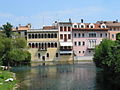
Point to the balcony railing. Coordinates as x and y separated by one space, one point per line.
42 49
65 49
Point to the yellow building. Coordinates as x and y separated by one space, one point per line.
43 44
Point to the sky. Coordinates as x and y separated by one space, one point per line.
45 12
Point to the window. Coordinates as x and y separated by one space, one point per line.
55 35
79 35
83 35
79 43
61 28
55 44
48 35
75 35
38 55
112 35
92 34
69 36
75 43
83 43
105 34
83 52
33 36
89 51
47 55
56 54
69 29
51 35
82 26
91 26
65 28
29 36
101 35
75 26
61 36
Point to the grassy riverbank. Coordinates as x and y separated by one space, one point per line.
4 85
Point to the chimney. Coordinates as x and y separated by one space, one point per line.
81 20
116 20
70 20
29 25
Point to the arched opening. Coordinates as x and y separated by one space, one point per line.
29 36
36 45
55 35
39 45
45 45
48 45
52 45
42 45
55 44
51 35
48 35
38 35
33 36
45 35
38 55
42 36
33 46
30 45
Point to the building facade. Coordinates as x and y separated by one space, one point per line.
85 37
67 41
43 44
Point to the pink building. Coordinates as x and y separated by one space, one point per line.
86 36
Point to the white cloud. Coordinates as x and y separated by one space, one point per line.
48 17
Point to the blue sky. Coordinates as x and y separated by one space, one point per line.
45 12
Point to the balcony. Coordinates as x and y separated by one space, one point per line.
42 49
65 49
90 48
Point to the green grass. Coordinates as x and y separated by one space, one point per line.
7 85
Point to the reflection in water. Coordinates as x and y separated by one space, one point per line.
57 77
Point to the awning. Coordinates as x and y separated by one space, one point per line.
66 44
65 52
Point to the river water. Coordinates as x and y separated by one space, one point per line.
77 76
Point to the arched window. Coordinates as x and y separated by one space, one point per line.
52 45
48 45
30 45
39 45
55 35
51 35
42 45
42 36
45 45
38 55
47 55
33 36
48 35
39 35
45 35
83 43
36 45
29 36
33 46
55 44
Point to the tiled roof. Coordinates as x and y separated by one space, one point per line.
49 27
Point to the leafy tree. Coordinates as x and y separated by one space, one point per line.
103 56
7 29
20 43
